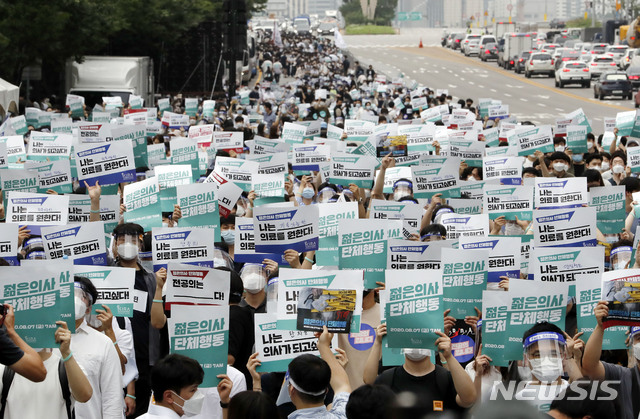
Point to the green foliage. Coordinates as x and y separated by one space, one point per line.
369 30
581 23
385 13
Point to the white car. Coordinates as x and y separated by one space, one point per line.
616 51
602 64
465 41
625 61
573 72
539 63
472 48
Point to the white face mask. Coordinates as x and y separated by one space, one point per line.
617 169
240 211
560 148
589 144
595 168
92 320
80 307
636 351
127 251
193 406
527 163
164 225
605 166
254 283
559 167
416 354
546 369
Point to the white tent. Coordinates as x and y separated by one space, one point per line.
8 93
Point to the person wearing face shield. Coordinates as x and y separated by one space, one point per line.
629 388
433 232
386 163
174 381
402 188
326 191
548 352
443 390
128 239
97 356
254 278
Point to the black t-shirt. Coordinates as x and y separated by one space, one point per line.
241 339
10 353
435 391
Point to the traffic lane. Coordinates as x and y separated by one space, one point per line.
534 99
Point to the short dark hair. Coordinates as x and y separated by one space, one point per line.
620 154
573 404
128 229
559 155
593 175
593 156
531 170
229 219
174 372
631 184
542 326
312 374
370 402
435 229
87 286
253 404
236 287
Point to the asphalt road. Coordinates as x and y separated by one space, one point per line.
534 99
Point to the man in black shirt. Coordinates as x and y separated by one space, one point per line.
15 353
241 334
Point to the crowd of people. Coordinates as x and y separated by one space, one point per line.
124 366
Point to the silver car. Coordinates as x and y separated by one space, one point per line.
539 63
472 48
602 64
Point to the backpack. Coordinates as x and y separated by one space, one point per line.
7 379
387 377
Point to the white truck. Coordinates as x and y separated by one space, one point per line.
500 27
98 76
514 45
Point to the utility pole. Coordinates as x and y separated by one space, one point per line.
235 17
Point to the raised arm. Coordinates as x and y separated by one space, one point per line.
591 364
30 365
387 161
158 318
371 366
78 383
339 378
465 388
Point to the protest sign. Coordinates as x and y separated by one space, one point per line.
621 291
15 148
54 175
142 202
549 264
467 225
226 192
408 254
414 309
84 244
407 211
94 133
269 189
203 134
576 139
238 171
114 286
40 295
4 162
504 256
277 229
157 155
48 147
9 243
464 277
199 206
174 120
261 145
419 137
190 245
293 133
633 158
292 282
560 193
491 137
429 181
578 117
245 245
164 104
108 163
188 284
185 151
271 163
228 140
530 139
320 307
498 111
350 168
80 210
208 108
18 125
191 106
504 170
362 244
308 157
494 327
462 206
469 151
169 177
393 174
588 295
76 105
329 215
202 333
19 180
138 137
358 130
525 249
609 202
510 202
565 228
624 122
37 209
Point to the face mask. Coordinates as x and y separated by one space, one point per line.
92 320
546 369
308 193
164 225
559 167
560 148
577 158
524 373
81 308
471 179
254 283
636 350
617 169
228 236
595 168
193 406
127 251
527 163
589 144
416 354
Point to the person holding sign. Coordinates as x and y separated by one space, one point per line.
629 390
560 164
438 388
15 353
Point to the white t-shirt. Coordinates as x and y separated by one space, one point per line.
27 399
211 408
541 395
488 380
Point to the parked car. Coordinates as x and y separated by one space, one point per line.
539 63
612 84
573 72
633 73
601 64
518 67
489 52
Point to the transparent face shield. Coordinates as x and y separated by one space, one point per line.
325 195
401 189
272 295
221 259
254 277
442 211
82 300
621 257
242 206
544 353
127 246
430 237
